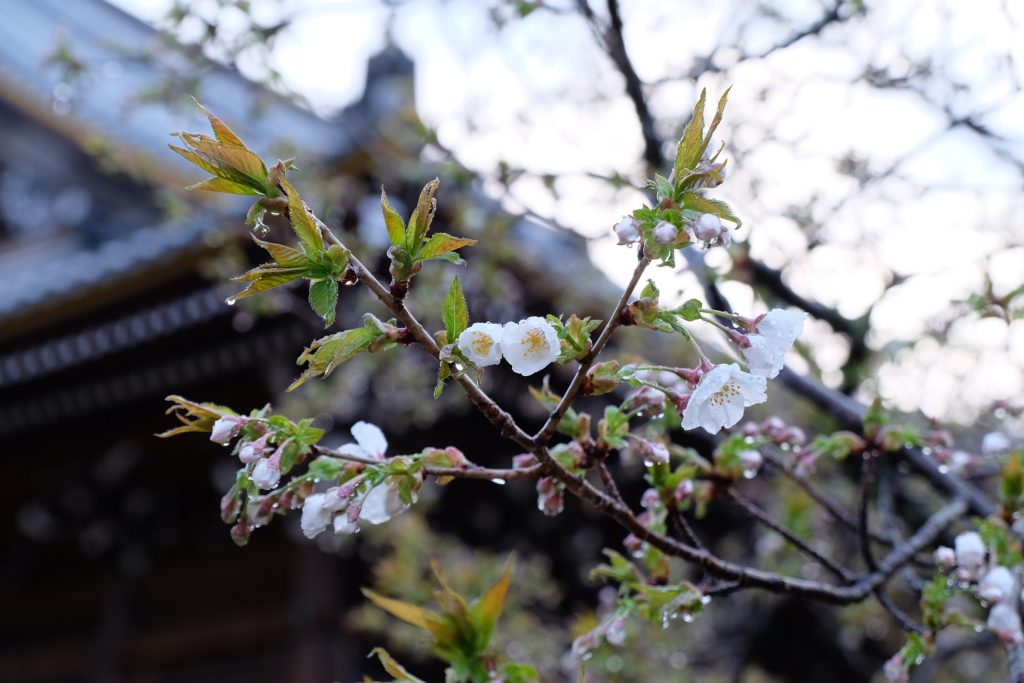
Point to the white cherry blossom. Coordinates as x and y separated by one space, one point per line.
970 553
776 331
1004 620
370 442
996 585
266 474
382 503
529 345
315 517
720 397
481 343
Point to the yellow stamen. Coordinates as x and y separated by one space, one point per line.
534 341
728 392
482 343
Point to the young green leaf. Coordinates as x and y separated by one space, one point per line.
323 297
284 256
324 355
423 216
440 245
491 603
262 278
691 144
310 239
454 313
393 222
439 628
393 667
700 203
224 135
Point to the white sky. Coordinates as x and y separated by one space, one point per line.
527 95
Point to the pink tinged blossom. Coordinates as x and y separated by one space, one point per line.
709 228
615 631
944 556
720 397
894 670
632 544
370 442
970 554
382 503
550 499
226 428
523 460
343 526
652 452
665 232
251 451
995 443
481 344
997 585
626 230
751 460
336 498
266 474
650 499
684 490
314 517
529 345
1005 622
647 400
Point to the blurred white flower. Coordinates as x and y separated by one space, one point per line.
944 556
481 343
529 345
720 397
995 443
970 554
996 585
751 460
1004 620
709 228
627 230
370 442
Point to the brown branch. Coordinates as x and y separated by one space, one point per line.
547 430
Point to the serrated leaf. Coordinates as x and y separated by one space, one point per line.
223 185
234 163
265 277
224 135
422 216
310 239
440 244
432 623
394 222
691 143
323 298
663 187
454 313
327 353
698 202
284 256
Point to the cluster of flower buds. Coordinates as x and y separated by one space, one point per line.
529 345
775 430
997 586
707 228
359 499
550 492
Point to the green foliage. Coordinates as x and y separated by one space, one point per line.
454 312
574 336
327 353
646 312
1001 542
655 602
1012 482
461 632
410 245
194 417
613 427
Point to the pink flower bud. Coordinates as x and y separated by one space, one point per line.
523 460
683 491
944 556
708 228
751 460
226 428
266 474
650 499
632 544
627 230
665 233
251 451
